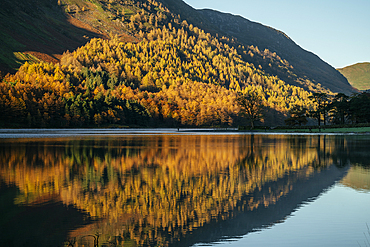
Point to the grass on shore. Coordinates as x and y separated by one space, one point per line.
360 128
326 130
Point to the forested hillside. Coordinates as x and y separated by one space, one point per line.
272 49
358 75
146 66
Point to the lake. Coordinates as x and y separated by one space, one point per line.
165 187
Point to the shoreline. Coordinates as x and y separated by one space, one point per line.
91 132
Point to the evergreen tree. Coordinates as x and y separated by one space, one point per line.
298 116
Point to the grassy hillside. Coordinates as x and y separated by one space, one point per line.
358 75
42 30
36 30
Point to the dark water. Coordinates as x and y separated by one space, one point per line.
164 188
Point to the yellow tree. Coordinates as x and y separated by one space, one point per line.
251 106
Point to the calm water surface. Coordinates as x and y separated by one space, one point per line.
187 188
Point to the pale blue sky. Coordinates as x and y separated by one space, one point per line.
337 31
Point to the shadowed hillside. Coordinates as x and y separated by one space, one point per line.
42 30
282 57
37 29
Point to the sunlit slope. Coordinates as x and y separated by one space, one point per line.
180 75
358 75
45 28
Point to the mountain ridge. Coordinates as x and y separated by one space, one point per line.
305 64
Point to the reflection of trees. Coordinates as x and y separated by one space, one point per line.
156 189
358 178
357 150
329 149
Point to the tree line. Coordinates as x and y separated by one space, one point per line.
338 109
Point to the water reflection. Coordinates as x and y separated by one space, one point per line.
358 178
160 190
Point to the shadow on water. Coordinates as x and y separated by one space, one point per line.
44 223
165 190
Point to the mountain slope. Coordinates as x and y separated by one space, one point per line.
358 75
153 64
36 29
42 29
301 64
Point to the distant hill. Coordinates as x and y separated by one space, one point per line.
358 75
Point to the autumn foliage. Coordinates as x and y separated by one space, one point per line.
173 77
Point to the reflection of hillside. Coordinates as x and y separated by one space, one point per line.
356 152
244 221
157 189
47 224
358 148
358 178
